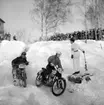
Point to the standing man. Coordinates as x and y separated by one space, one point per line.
75 54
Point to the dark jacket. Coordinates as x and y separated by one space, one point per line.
19 60
55 60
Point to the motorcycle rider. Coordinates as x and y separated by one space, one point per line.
53 61
19 60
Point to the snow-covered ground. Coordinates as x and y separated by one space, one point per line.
91 93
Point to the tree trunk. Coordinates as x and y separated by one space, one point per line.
46 34
96 16
41 27
85 22
42 22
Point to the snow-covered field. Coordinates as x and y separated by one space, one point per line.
91 93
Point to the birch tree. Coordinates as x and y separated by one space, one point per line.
50 14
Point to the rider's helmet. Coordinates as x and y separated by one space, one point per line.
58 53
23 53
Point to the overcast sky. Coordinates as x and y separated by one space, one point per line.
16 15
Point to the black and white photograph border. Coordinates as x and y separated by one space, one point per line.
51 52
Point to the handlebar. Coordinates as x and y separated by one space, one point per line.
17 65
56 68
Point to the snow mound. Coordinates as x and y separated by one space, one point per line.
8 51
37 54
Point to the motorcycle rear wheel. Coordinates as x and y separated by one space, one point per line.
38 81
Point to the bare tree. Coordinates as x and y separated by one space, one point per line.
38 14
50 14
21 35
83 7
58 15
95 14
85 21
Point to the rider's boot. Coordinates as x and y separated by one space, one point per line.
43 79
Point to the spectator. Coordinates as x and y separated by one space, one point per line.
14 38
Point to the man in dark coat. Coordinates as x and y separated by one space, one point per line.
17 61
53 61
20 60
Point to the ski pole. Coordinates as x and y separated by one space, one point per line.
101 46
85 63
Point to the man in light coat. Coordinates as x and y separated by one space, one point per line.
75 54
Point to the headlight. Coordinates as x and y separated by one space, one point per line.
60 70
21 66
54 72
40 71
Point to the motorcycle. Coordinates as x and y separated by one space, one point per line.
20 75
54 80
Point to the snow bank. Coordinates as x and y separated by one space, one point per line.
40 51
8 51
37 55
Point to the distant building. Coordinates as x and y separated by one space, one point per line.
1 28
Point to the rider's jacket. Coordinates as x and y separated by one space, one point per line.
19 60
55 60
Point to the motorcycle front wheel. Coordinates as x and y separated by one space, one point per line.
59 87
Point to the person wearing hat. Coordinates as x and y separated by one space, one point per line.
17 61
75 55
53 61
